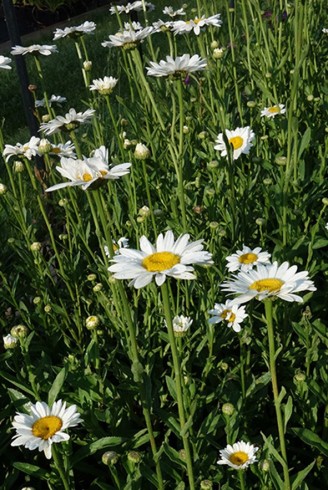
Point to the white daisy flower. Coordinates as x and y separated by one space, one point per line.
230 313
35 49
269 281
181 26
181 325
128 39
134 26
129 7
27 150
44 426
61 149
168 258
161 26
273 111
325 30
75 31
54 99
121 243
180 66
104 85
173 13
70 121
239 456
240 139
247 258
86 172
5 62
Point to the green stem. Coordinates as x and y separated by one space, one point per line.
178 384
59 468
272 362
144 169
241 475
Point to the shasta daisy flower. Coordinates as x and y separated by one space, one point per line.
121 243
104 85
86 172
246 259
168 258
239 455
181 325
178 67
70 121
230 313
270 281
75 31
128 39
129 7
240 139
273 111
44 426
4 63
27 150
181 26
54 99
35 49
173 13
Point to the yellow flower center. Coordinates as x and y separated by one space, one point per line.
160 261
46 427
248 258
274 109
236 142
86 177
197 20
272 285
103 173
228 315
238 458
56 150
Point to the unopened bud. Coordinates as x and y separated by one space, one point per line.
36 247
281 160
91 277
260 221
46 118
213 164
134 457
185 129
20 331
44 146
251 103
98 287
144 211
325 201
265 465
214 44
299 377
110 458
214 225
47 308
18 166
3 189
141 152
228 409
92 322
37 300
62 202
218 53
206 485
87 65
9 342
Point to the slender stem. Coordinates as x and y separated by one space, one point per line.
241 475
59 468
272 362
144 170
178 384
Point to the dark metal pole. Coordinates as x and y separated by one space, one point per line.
14 36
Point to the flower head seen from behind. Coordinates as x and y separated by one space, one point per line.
273 111
270 281
5 63
104 86
173 13
239 455
69 122
181 325
44 426
75 31
34 49
181 26
240 139
232 314
246 259
169 257
179 67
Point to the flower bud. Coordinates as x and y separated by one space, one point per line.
20 331
213 164
206 485
98 287
110 458
251 103
185 130
47 308
310 97
299 377
214 44
144 211
198 209
92 322
182 454
87 65
281 160
3 189
46 118
265 465
260 221
36 247
37 300
9 342
325 201
202 135
218 53
91 277
141 152
214 225
44 146
267 181
62 202
18 166
228 409
134 457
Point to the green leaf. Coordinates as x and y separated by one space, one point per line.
301 475
171 387
305 142
13 380
102 443
31 469
277 481
311 439
288 410
56 386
